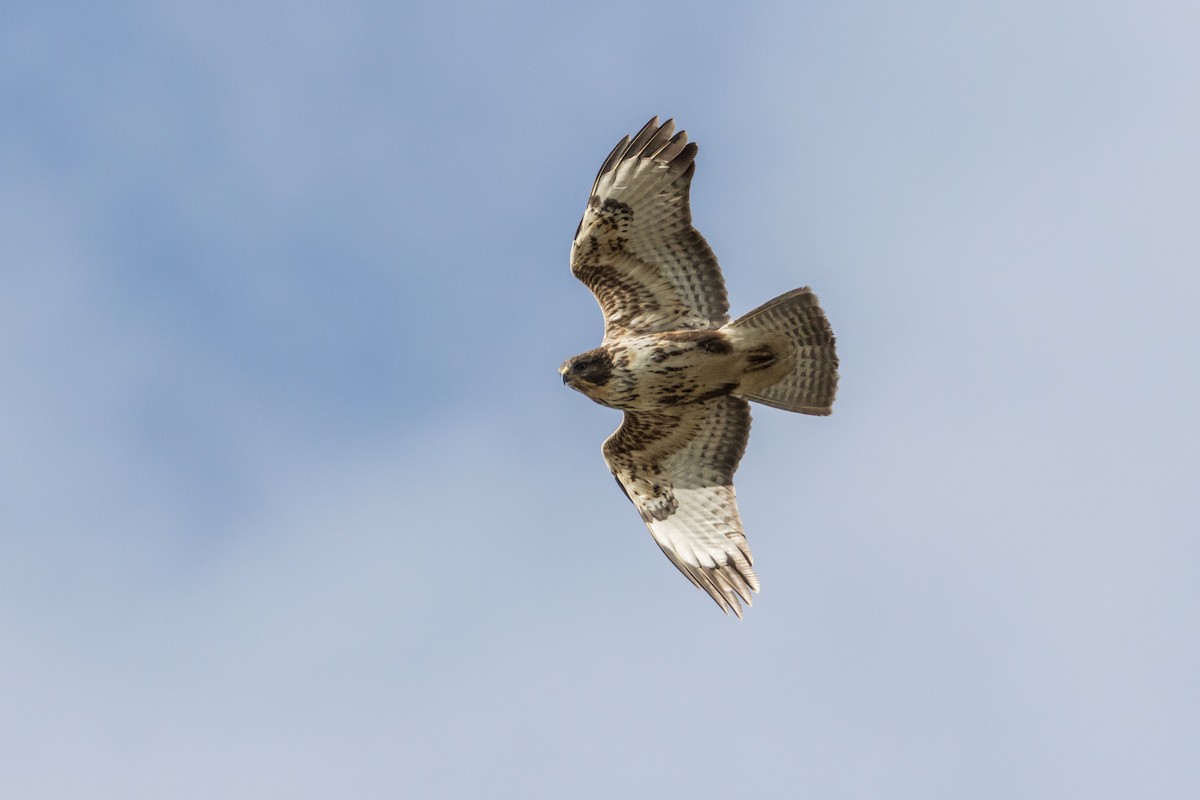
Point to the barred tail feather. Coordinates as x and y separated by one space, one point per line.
797 318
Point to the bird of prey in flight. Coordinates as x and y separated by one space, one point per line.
675 364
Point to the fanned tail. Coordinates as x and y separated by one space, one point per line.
796 317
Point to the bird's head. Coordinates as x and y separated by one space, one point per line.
588 373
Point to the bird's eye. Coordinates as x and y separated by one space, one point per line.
580 366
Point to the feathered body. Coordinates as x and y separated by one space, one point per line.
665 370
677 367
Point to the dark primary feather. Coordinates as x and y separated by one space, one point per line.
635 247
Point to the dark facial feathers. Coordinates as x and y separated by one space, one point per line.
594 367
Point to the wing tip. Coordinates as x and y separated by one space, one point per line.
730 585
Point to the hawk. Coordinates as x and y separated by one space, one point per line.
675 364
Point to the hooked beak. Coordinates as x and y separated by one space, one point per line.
563 372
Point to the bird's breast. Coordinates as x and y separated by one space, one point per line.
660 371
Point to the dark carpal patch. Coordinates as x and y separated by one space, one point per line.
620 213
610 215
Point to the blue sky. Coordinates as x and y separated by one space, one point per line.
292 501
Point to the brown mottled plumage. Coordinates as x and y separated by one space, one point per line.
675 364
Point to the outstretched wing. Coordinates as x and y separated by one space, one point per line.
635 247
677 468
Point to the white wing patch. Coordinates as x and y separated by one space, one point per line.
635 247
704 539
677 468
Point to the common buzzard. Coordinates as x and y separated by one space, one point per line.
677 367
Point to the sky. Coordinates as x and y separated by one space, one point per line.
293 501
